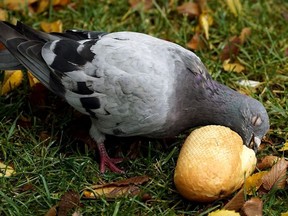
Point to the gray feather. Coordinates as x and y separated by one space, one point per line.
131 83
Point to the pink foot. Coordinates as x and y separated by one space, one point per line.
106 161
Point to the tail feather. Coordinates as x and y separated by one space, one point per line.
9 62
25 44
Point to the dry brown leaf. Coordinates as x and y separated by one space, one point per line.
267 162
52 211
245 33
234 67
5 170
253 183
231 49
205 21
191 9
52 26
12 79
112 192
116 189
196 42
237 202
253 207
69 200
284 147
235 6
223 213
16 4
145 4
276 177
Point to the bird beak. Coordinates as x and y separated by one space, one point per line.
255 143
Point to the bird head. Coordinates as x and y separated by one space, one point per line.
254 124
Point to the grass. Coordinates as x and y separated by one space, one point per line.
50 162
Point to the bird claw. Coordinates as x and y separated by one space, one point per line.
106 161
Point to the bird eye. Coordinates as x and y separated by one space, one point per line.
256 120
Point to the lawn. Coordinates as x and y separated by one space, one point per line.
41 136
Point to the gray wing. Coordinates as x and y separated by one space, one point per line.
122 80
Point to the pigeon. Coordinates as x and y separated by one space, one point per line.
130 84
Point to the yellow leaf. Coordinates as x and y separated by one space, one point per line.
235 6
223 213
16 4
6 171
205 20
32 79
235 67
52 26
284 214
12 79
3 15
42 6
254 182
284 147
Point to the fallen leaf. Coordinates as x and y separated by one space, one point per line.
52 26
253 207
60 2
231 49
253 183
12 79
235 67
69 200
145 4
41 6
248 83
76 213
235 6
5 170
284 147
116 189
112 192
3 15
205 20
267 162
276 177
32 80
196 42
16 5
52 211
245 33
223 213
237 202
191 9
